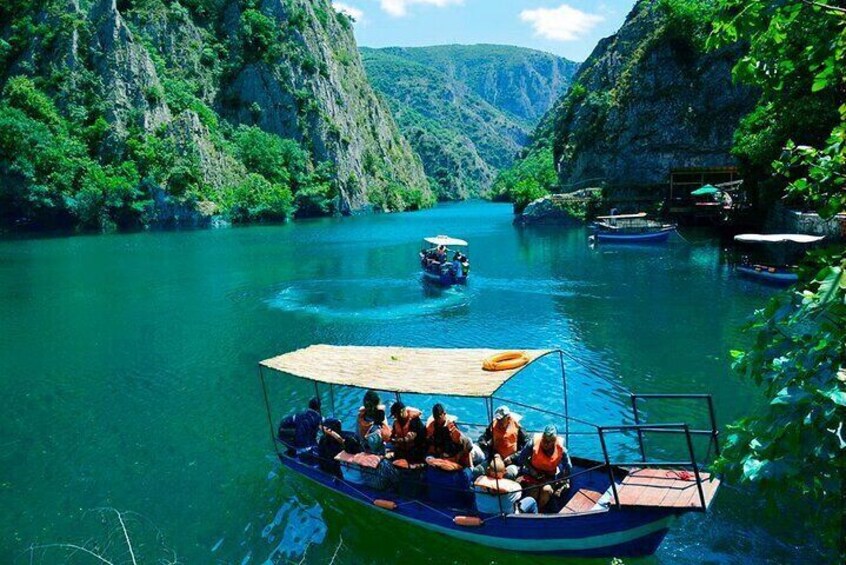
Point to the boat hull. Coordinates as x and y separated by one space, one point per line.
779 278
602 533
647 237
444 279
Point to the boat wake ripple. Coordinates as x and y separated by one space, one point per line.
366 299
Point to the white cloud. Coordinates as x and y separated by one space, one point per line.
563 23
355 13
399 8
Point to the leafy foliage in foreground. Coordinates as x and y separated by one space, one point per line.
797 445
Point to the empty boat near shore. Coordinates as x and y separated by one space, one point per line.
631 228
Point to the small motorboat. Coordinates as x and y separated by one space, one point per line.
621 500
441 263
771 264
631 228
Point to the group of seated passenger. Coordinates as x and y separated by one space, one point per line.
509 470
437 257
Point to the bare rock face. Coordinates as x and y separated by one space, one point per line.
317 92
646 101
130 84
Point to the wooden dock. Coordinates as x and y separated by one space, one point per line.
664 488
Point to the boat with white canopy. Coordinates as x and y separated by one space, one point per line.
443 260
631 228
770 262
617 505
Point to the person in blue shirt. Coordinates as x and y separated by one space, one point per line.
299 431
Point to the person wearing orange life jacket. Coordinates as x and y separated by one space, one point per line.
368 414
408 434
504 437
445 440
543 461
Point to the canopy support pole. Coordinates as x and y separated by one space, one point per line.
332 398
268 410
489 406
566 406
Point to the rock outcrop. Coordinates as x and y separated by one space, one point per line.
646 101
560 209
135 79
316 91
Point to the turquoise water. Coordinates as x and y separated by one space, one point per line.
128 366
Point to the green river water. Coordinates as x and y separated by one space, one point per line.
128 366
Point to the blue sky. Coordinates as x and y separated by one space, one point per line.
569 28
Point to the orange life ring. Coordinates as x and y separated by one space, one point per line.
505 361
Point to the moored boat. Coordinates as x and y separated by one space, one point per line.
614 507
774 268
631 228
442 263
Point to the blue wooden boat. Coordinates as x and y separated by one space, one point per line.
441 263
613 507
769 271
631 228
772 275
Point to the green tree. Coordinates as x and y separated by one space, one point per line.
256 198
795 448
530 178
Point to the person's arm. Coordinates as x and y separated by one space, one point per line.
288 423
522 458
522 439
566 466
486 438
335 436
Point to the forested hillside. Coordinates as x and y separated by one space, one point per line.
139 112
467 109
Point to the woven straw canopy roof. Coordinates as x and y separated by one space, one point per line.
448 372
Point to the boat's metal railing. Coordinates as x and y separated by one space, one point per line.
676 428
713 433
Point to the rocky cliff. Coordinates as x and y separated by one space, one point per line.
467 109
253 107
647 100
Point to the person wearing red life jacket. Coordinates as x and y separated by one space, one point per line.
543 461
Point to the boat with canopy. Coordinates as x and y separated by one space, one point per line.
615 506
631 228
770 263
442 263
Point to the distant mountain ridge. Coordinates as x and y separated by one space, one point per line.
467 109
